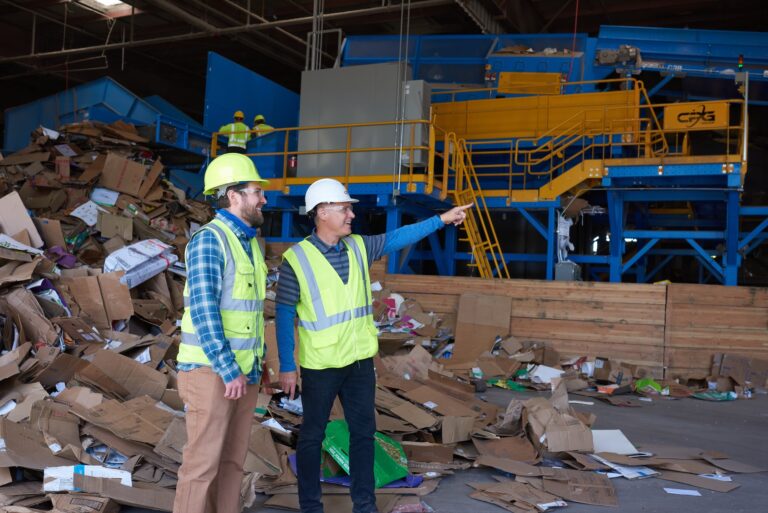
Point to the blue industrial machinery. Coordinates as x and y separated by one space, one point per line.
106 101
635 184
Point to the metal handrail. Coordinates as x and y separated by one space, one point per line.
348 149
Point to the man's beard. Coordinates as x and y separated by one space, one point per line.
254 217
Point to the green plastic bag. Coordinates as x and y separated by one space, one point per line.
389 461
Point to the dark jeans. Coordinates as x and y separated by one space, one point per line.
356 387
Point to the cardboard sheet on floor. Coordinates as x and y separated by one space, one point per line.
428 452
581 487
612 440
411 366
510 447
518 468
456 429
83 503
439 402
481 318
698 481
335 503
141 495
734 466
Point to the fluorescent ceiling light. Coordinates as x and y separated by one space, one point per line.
108 3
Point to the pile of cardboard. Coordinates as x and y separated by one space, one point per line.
89 301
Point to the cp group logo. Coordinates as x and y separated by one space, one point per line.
697 116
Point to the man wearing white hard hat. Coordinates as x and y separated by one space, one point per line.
324 279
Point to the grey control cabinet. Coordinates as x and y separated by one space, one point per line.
359 94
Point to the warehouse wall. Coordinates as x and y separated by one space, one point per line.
677 327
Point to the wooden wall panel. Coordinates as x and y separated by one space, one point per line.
622 321
706 319
676 327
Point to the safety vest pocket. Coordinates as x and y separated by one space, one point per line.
321 341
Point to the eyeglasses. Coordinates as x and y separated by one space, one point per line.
257 192
344 209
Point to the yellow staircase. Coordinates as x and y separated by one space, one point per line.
477 229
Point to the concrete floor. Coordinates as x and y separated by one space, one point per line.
738 428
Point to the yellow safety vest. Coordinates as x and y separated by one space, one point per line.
263 129
336 325
242 303
238 134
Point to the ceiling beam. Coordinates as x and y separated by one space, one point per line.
218 32
480 15
199 23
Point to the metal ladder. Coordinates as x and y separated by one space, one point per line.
478 229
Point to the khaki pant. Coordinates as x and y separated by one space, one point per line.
218 431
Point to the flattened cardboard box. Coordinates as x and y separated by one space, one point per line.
122 175
481 318
141 495
103 298
83 503
36 325
741 369
25 447
428 452
111 225
439 402
138 379
14 218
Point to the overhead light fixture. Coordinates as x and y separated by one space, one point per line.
108 8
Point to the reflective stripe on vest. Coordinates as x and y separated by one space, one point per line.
325 321
238 134
236 344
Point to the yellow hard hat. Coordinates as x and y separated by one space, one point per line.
258 117
230 169
239 114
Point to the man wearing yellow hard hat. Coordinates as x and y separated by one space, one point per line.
222 339
238 134
260 125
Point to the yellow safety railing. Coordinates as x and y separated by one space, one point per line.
403 168
460 180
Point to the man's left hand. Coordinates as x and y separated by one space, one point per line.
456 215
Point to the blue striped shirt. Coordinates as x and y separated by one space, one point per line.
205 268
376 246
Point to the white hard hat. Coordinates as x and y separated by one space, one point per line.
326 190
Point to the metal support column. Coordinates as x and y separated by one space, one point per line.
731 257
551 241
451 241
286 227
394 218
616 223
